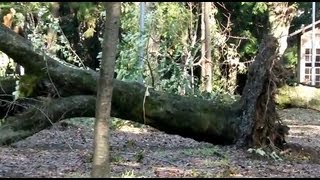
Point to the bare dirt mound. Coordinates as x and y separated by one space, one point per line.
66 151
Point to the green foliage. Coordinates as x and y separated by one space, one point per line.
175 80
128 58
251 46
38 33
290 56
171 24
259 7
79 121
25 86
139 156
116 158
117 123
167 21
206 151
172 21
88 12
249 20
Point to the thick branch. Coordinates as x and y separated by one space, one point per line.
204 121
35 119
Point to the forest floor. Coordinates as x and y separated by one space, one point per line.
65 150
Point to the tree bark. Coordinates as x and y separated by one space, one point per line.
202 120
101 158
257 99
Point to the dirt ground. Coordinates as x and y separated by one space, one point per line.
66 151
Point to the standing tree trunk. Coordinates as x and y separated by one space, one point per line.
141 44
206 63
101 162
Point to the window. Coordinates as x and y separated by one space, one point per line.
308 67
308 51
307 71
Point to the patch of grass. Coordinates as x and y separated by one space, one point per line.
117 123
223 162
81 121
131 143
139 156
88 158
214 163
116 158
211 151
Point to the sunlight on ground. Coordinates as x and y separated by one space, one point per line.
130 164
133 130
307 93
301 129
290 120
169 172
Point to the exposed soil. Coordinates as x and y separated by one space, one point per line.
65 150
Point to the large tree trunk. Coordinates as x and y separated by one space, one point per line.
258 100
214 122
201 120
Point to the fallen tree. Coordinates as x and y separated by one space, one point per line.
218 122
287 97
189 117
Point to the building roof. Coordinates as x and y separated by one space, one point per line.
303 29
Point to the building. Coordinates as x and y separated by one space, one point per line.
304 70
